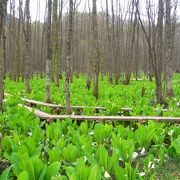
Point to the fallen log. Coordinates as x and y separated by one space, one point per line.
58 106
30 102
112 118
50 118
38 113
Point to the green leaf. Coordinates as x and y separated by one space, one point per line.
95 173
73 177
99 133
52 170
102 156
43 173
119 172
69 170
54 155
70 153
59 178
176 145
5 174
6 144
38 166
31 171
23 176
174 149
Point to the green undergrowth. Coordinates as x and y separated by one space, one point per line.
31 149
169 170
111 96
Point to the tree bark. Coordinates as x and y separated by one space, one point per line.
3 7
159 58
96 51
109 54
60 38
68 56
169 46
49 52
27 46
55 43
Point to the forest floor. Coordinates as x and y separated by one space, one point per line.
82 150
170 170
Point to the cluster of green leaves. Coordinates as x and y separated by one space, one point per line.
111 96
69 150
86 150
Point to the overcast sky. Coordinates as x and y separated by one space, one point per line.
37 7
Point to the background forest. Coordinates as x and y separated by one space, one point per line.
89 89
132 38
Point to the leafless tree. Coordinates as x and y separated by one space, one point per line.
3 6
55 43
27 34
96 51
170 24
49 51
155 44
68 56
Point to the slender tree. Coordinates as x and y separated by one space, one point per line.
68 56
155 44
18 40
55 63
109 55
169 45
60 36
96 51
158 60
131 42
90 61
3 7
27 35
49 52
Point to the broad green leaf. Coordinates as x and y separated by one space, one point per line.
119 172
43 173
69 170
59 178
99 133
54 154
5 174
102 156
95 173
23 176
38 166
52 170
70 153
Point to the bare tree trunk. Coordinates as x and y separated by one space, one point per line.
27 46
18 41
96 51
3 6
169 46
159 59
60 38
49 52
149 38
131 42
113 42
109 54
68 56
55 44
42 51
118 45
137 57
155 44
90 51
13 40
